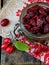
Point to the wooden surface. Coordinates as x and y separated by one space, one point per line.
19 58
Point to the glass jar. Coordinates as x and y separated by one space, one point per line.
24 30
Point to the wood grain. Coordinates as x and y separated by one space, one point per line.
22 64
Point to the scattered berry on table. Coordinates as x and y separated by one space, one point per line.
4 22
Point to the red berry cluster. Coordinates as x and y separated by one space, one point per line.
36 20
6 45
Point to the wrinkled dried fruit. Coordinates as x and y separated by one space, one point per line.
33 22
34 29
39 21
27 26
47 10
46 28
47 18
43 12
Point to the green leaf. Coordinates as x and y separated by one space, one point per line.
21 46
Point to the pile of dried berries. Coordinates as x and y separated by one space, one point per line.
36 20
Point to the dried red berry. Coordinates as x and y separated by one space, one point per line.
33 22
27 26
47 18
39 21
4 22
47 10
24 19
44 21
35 7
46 28
34 29
42 11
29 10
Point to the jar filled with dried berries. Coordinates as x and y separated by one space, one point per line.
34 21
